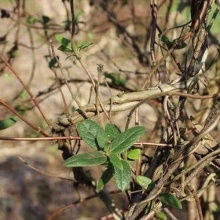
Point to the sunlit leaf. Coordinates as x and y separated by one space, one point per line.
170 200
126 139
134 153
145 182
122 172
66 44
83 45
86 159
116 160
112 131
65 49
103 139
88 131
161 216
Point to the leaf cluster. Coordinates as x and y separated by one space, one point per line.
108 145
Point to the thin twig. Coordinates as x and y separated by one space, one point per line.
26 88
132 100
198 204
38 129
67 83
54 138
42 172
72 18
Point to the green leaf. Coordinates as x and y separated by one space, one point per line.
126 139
66 44
65 49
45 19
116 79
73 109
103 139
106 176
161 215
62 40
122 174
134 153
8 122
32 20
86 159
23 94
112 131
166 40
88 131
116 161
170 200
78 14
83 45
178 44
7 76
145 182
53 63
